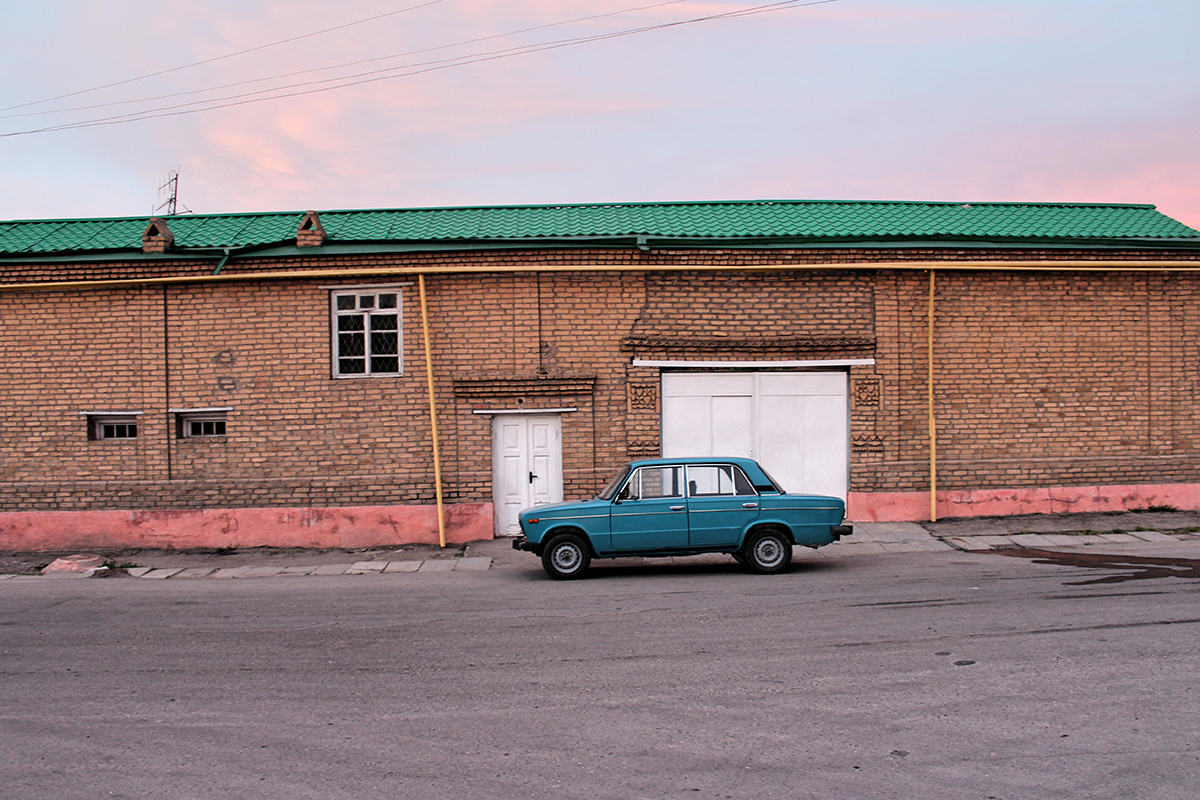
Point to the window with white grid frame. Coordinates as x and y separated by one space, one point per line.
367 334
200 423
112 425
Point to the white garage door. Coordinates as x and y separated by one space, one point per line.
793 423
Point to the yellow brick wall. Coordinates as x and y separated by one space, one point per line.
1043 378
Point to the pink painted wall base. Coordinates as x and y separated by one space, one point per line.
353 527
914 506
347 527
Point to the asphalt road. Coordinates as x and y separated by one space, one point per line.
931 675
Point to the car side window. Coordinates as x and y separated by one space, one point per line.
653 483
742 485
717 480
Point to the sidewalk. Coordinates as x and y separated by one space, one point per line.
1149 534
1174 533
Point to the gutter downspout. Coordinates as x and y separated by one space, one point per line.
437 457
932 419
221 263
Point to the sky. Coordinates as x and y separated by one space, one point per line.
499 102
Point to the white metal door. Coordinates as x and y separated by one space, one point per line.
526 466
793 423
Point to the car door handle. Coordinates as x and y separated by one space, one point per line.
677 508
749 505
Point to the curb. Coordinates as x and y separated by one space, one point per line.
870 538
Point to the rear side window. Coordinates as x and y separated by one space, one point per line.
718 480
773 486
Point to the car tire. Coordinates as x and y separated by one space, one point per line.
566 556
767 552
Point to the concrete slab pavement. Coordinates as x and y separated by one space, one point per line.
332 569
1092 523
162 574
196 572
1124 533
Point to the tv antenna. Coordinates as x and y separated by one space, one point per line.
170 188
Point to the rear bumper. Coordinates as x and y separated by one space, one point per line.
839 531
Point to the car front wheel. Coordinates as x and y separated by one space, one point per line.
566 556
767 552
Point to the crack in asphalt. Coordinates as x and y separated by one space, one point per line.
1035 632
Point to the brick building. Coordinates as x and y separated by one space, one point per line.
217 380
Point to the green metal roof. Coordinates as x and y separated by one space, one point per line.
746 223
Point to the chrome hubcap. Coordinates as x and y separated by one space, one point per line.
768 553
566 557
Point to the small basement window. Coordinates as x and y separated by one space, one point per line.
102 425
199 423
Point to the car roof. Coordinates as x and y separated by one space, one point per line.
741 462
753 471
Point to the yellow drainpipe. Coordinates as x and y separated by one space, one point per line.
437 456
932 420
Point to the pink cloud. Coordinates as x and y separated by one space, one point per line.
1150 159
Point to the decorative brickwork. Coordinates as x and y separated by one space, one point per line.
866 444
643 397
643 450
866 393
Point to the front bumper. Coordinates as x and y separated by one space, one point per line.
521 543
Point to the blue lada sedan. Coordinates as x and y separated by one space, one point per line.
683 506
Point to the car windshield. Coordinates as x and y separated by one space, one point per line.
611 489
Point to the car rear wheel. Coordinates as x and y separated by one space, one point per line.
767 552
566 556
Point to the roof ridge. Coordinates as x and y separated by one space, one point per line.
639 204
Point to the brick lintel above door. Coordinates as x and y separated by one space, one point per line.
480 388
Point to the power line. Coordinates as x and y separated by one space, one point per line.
390 73
224 57
310 71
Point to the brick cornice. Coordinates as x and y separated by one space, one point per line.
800 343
523 387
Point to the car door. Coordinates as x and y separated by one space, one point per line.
650 512
721 503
